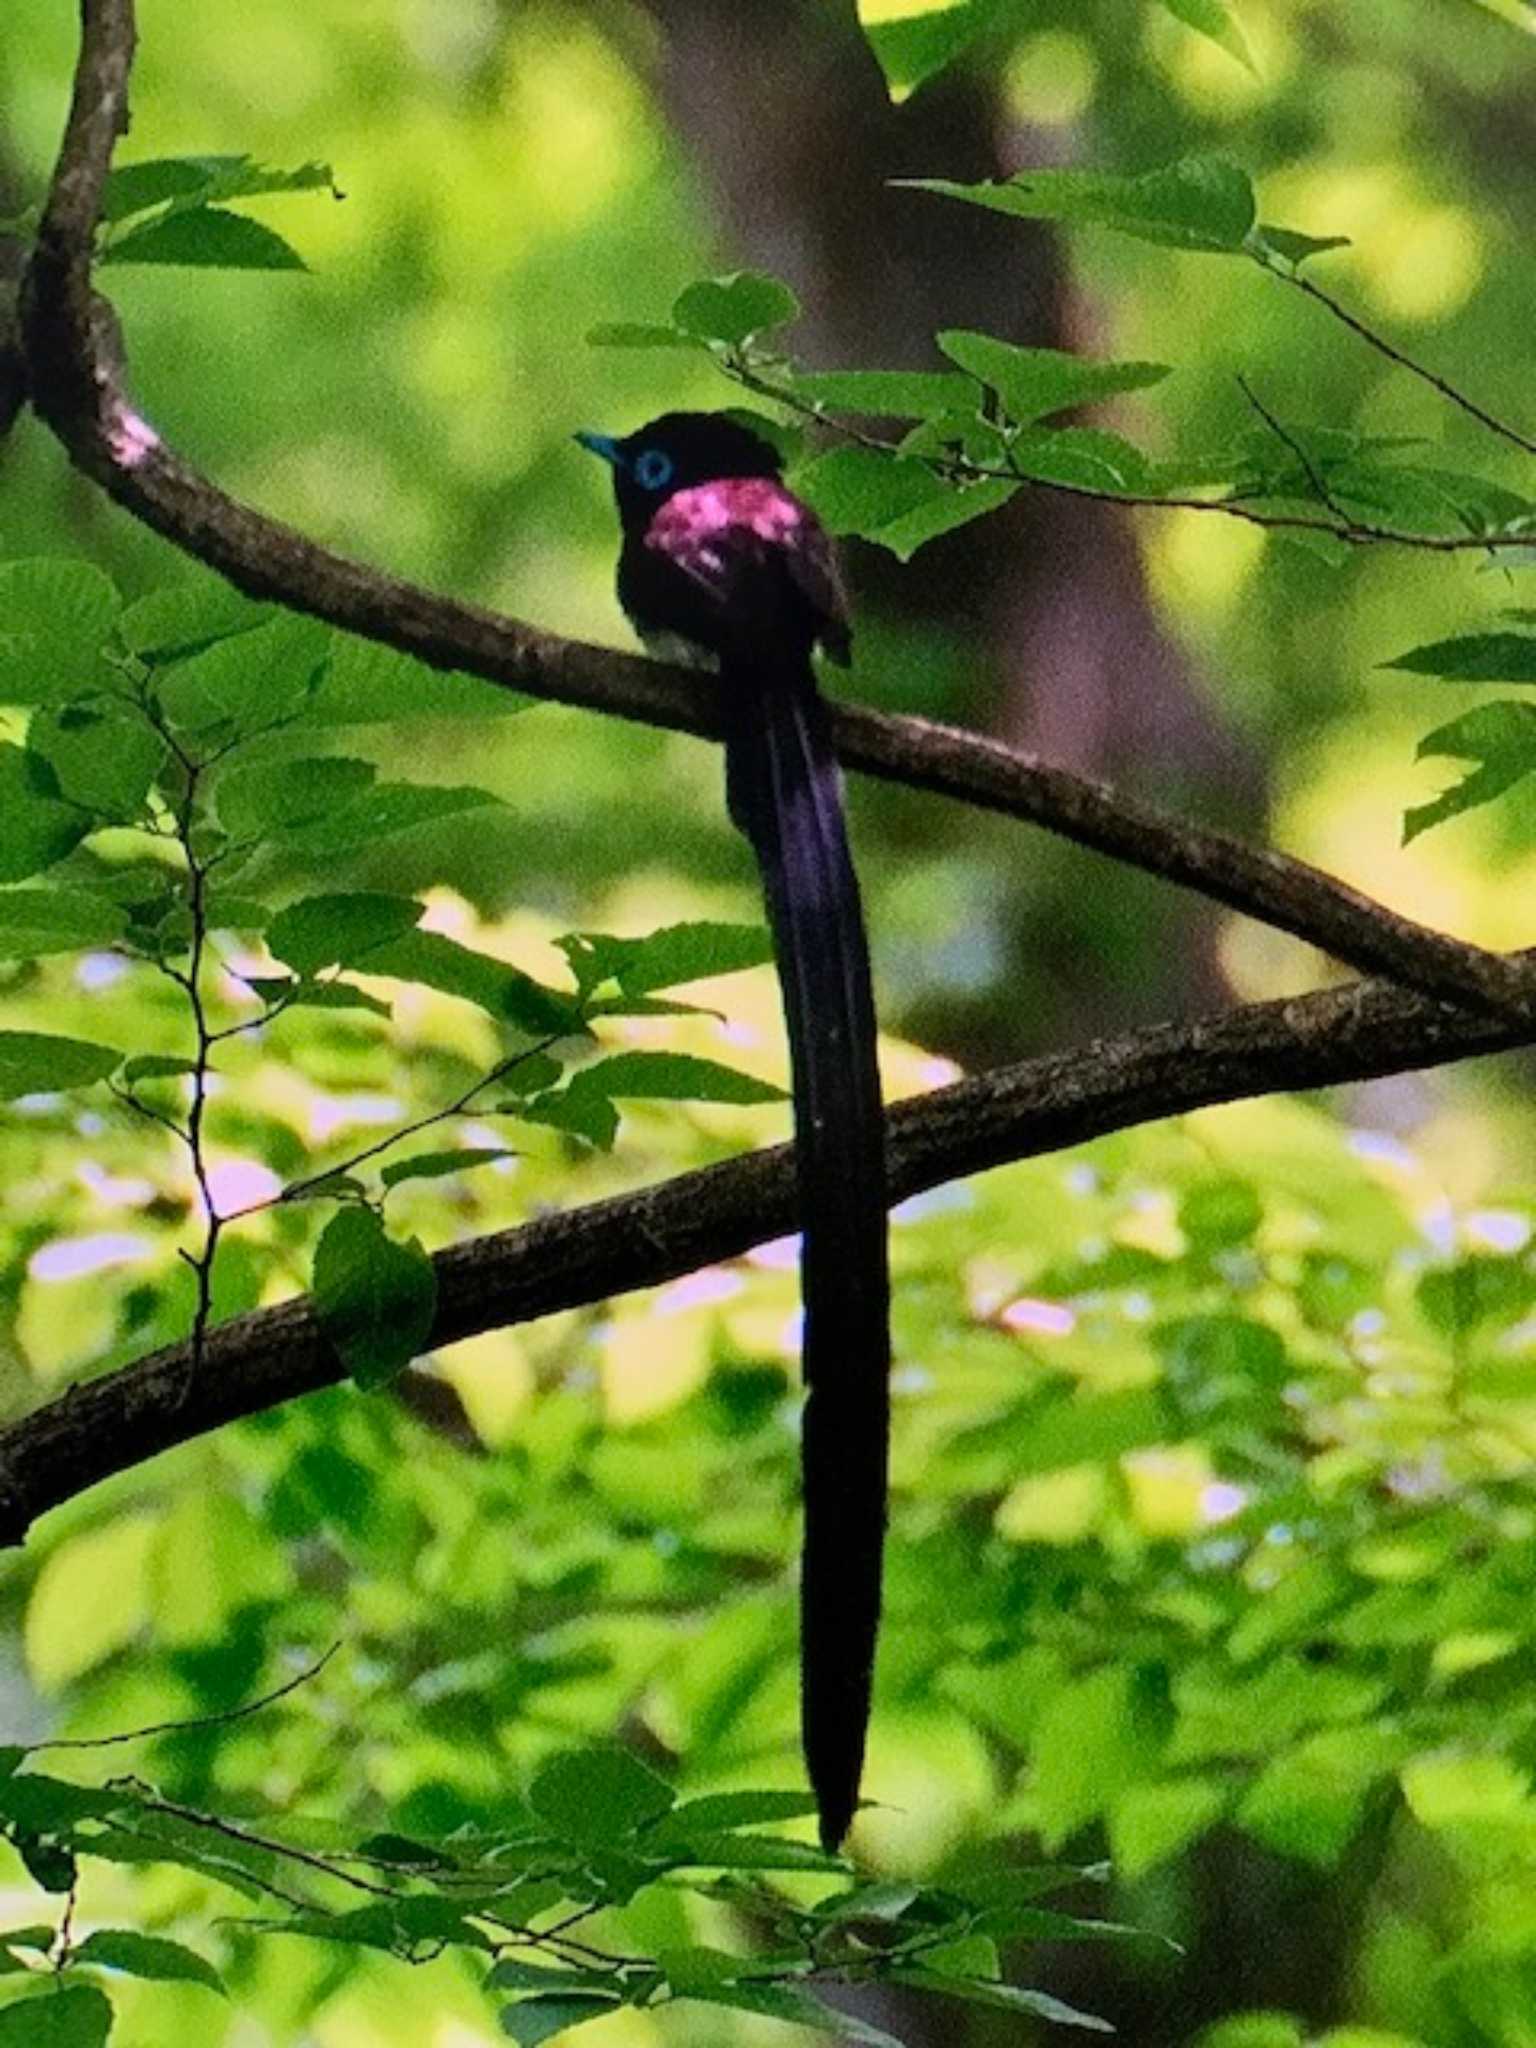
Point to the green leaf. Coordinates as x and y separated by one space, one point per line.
156 1066
73 2016
663 959
1004 1998
339 931
367 684
253 678
379 812
375 1296
917 45
1214 18
32 1063
1474 658
135 188
895 394
37 921
1500 738
55 618
1203 203
183 618
638 334
598 1795
954 505
147 1955
716 1812
205 237
1086 458
734 308
36 827
269 796
505 992
1034 383
434 1165
50 1866
670 1077
537 2019
102 755
1292 247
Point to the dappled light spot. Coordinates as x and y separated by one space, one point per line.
71 1258
1039 1318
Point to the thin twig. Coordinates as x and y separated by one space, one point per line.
195 1721
1448 391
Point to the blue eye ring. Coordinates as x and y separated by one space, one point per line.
652 470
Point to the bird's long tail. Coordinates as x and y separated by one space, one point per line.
785 795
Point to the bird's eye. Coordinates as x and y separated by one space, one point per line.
653 470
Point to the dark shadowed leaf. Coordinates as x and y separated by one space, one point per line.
375 1296
340 930
598 1795
206 237
435 1165
36 827
33 1063
146 1955
70 2016
1033 383
104 756
540 2018
1474 658
37 921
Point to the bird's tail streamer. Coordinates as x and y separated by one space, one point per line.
785 794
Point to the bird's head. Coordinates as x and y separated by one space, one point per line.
675 452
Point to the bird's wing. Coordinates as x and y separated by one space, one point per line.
740 540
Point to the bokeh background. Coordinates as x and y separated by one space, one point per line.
514 175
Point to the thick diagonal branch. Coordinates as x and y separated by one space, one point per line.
640 1240
76 372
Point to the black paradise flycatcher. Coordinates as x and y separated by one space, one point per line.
720 561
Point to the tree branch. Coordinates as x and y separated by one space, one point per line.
1355 1033
76 364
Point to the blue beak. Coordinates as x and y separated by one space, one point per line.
602 444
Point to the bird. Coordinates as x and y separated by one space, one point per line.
722 565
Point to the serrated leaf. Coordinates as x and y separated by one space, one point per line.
1203 203
251 679
638 334
1085 458
1500 737
859 491
102 755
183 618
663 959
503 991
72 2016
147 1955
375 1296
541 2017
435 1165
38 921
33 1063
267 796
1473 658
156 181
339 930
205 237
1034 383
734 308
379 812
36 827
1215 19
598 1795
366 684
55 618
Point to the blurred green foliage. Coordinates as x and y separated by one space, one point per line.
1212 1535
